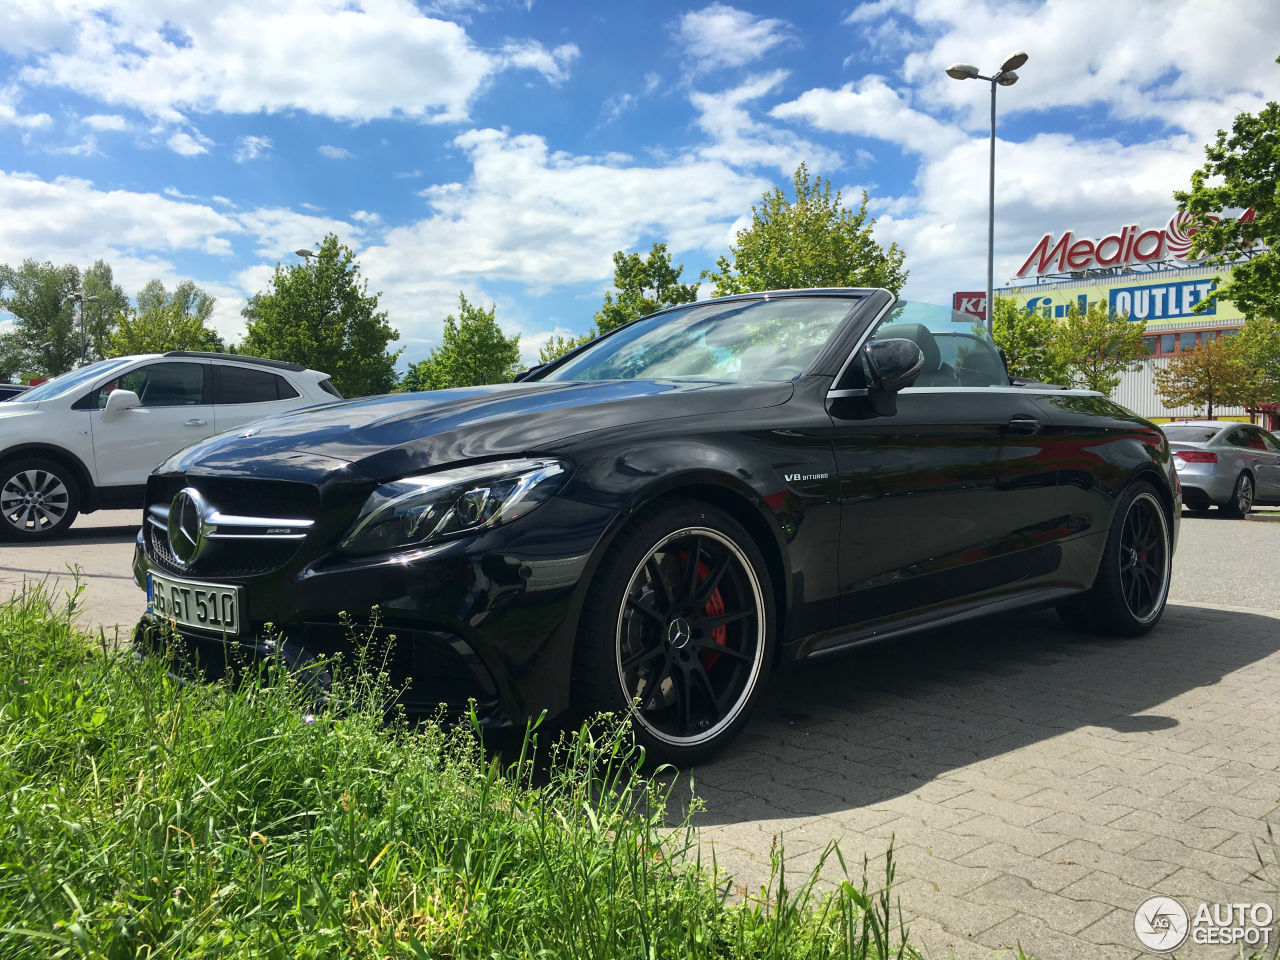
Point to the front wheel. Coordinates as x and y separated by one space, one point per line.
1241 501
1129 594
678 630
38 499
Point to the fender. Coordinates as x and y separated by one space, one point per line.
90 498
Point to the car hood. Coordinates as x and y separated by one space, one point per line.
398 434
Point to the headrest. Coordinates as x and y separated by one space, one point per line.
918 334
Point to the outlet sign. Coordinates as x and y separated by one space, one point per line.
972 302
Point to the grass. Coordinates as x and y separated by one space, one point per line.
144 818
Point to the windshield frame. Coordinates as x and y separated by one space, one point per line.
854 300
73 380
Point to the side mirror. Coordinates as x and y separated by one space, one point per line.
118 401
893 364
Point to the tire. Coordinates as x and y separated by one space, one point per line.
1132 586
684 647
1241 501
39 499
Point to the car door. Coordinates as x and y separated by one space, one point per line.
1266 460
953 495
242 394
174 412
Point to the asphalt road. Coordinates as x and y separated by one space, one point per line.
1037 785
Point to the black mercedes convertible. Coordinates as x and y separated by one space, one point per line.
659 519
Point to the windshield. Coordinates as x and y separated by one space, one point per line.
70 381
1190 434
734 340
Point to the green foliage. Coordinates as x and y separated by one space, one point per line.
557 346
1027 339
811 241
1213 374
46 336
320 314
145 818
1241 170
166 321
1257 346
473 351
642 287
100 318
1096 346
160 329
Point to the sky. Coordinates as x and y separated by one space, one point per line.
505 149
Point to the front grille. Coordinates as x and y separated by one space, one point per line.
254 549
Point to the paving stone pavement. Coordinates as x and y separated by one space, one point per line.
1037 785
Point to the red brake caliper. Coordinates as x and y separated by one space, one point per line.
713 608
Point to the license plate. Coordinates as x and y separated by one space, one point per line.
205 606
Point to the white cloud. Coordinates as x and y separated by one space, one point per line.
543 220
186 145
250 147
531 55
333 153
739 140
11 116
106 121
346 61
724 36
279 231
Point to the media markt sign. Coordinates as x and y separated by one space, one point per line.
1132 245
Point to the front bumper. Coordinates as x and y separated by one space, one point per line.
491 618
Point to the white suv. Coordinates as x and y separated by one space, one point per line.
87 440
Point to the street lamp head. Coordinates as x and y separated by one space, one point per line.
305 254
73 298
92 299
962 71
1006 78
1014 60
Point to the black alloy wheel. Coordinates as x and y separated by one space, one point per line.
1132 586
689 639
38 499
1241 501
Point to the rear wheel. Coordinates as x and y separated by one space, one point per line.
1129 594
38 499
1241 501
678 630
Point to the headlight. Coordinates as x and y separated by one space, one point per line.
420 510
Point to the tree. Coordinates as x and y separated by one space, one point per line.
1028 341
642 287
46 336
1241 170
557 346
813 241
98 281
320 314
158 330
1257 346
1097 346
1211 374
181 316
473 351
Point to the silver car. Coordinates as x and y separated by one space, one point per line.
1224 463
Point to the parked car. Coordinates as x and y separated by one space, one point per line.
87 440
1226 464
664 515
10 390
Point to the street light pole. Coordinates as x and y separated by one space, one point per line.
1005 77
80 298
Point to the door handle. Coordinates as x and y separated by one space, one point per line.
1024 425
196 422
